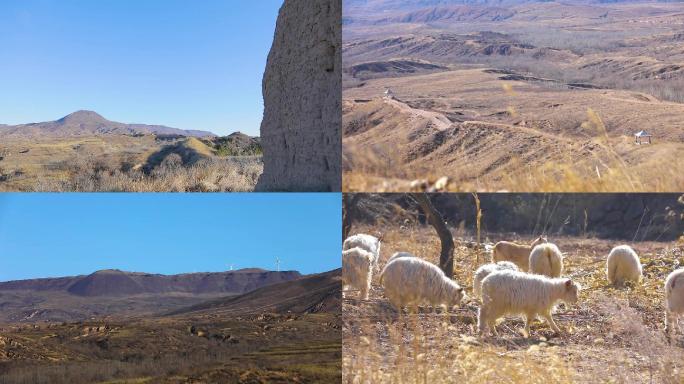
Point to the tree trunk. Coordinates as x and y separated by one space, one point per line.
446 258
348 207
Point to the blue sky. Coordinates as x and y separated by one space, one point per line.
185 64
49 235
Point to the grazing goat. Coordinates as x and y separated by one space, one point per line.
623 265
485 270
519 293
357 270
546 259
411 281
366 242
515 253
398 255
674 300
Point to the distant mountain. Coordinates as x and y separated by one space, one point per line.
89 123
453 13
415 4
310 294
119 283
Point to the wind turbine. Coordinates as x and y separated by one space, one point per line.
277 264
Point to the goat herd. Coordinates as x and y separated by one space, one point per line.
523 280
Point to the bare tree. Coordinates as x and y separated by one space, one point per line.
446 257
348 206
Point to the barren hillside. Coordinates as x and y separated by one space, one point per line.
114 293
247 338
550 101
86 152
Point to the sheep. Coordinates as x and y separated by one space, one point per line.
357 270
623 265
412 281
518 293
366 242
546 259
516 253
674 300
485 270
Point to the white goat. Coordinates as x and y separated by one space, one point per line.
515 253
674 300
411 281
366 242
546 259
357 270
398 255
485 270
519 293
623 265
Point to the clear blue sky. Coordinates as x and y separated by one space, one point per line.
182 63
49 235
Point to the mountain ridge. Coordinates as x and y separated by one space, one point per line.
85 122
119 283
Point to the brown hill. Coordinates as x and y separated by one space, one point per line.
113 293
391 68
89 123
456 13
548 102
119 283
310 294
442 48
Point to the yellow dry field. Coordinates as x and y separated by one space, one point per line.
119 163
45 160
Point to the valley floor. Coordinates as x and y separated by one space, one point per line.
264 348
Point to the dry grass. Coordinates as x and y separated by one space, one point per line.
123 163
232 174
611 335
606 167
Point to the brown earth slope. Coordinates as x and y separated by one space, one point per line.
251 346
549 102
113 293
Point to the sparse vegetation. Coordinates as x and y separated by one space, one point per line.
507 110
300 350
611 335
130 163
283 332
232 174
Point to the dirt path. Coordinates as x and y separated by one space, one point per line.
437 120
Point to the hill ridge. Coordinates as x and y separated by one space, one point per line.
86 122
114 282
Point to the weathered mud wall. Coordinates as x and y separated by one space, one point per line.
301 129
